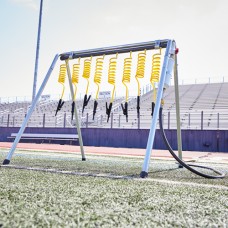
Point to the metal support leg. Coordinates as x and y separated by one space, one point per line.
151 137
75 112
30 111
177 100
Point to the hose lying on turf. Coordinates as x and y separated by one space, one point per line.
187 166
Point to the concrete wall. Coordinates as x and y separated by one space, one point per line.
193 140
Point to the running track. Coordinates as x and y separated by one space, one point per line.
161 154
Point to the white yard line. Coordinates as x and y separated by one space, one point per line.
192 184
111 176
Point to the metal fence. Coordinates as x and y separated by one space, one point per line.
197 121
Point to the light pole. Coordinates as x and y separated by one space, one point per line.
37 52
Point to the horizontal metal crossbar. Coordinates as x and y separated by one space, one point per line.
114 49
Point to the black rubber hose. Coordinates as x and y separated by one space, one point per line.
187 166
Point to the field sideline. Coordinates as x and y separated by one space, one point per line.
47 189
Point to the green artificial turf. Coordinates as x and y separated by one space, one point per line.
129 166
43 199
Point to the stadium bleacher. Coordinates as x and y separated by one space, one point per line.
202 106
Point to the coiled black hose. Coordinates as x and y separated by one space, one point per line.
187 166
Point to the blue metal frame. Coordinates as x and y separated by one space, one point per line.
168 65
30 111
170 49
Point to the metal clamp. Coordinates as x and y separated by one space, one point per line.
157 44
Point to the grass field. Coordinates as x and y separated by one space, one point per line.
105 191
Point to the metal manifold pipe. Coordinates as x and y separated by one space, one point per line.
114 49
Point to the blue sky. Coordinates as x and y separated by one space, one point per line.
200 28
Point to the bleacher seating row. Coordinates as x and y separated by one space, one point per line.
203 106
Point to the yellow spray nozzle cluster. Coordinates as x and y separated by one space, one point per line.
112 70
98 73
75 76
156 65
141 65
62 77
86 71
127 69
76 72
87 68
140 72
112 74
127 73
155 73
61 80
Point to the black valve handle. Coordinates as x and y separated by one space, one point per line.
72 109
85 102
152 108
60 105
95 108
125 110
138 106
108 110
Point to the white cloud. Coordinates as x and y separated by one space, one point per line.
34 4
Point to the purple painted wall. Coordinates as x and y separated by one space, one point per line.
193 140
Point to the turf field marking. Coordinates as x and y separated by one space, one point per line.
111 176
191 184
